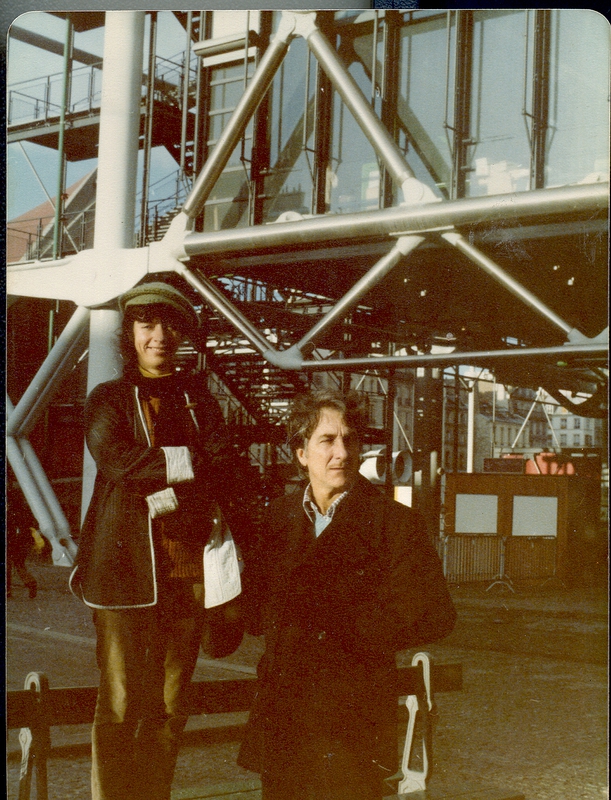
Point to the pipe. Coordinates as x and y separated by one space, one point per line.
64 548
509 283
185 97
30 490
119 130
261 80
104 364
62 527
376 133
483 357
518 208
402 247
40 390
471 425
61 170
148 127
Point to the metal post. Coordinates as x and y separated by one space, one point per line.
456 431
185 97
502 579
61 171
116 185
389 430
471 426
148 130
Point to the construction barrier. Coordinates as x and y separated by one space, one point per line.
478 557
530 557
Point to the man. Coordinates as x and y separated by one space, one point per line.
155 549
346 578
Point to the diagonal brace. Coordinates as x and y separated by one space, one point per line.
292 359
500 276
245 109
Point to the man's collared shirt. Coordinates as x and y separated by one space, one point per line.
311 509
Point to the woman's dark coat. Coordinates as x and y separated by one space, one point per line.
116 565
334 612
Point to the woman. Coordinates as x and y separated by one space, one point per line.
155 549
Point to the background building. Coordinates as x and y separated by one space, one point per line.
358 197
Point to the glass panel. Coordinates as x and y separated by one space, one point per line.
227 204
501 156
578 148
288 187
354 176
421 100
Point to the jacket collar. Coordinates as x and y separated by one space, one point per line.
364 504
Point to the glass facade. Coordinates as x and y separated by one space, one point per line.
499 159
480 102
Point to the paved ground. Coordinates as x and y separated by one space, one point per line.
532 716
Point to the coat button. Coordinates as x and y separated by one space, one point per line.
322 635
360 572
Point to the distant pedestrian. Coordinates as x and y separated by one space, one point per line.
346 578
21 541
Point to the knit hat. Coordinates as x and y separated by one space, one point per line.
147 294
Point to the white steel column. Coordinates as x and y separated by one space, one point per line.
116 188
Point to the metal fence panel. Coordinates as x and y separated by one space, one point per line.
530 557
468 559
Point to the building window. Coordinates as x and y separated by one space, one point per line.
588 440
227 204
576 440
563 440
563 423
576 422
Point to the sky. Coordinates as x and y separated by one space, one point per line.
25 65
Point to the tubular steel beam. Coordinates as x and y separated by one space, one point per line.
46 381
518 208
40 496
403 246
217 300
509 283
591 350
240 118
292 358
413 190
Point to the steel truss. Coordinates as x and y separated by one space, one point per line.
95 278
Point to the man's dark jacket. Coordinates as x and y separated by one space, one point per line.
335 610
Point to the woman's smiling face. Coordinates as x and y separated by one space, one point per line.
156 341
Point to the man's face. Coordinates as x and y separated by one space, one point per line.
156 341
330 456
